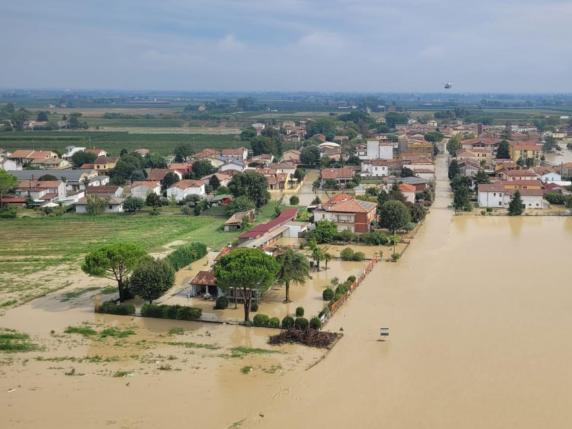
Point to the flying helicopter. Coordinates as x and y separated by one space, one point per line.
448 85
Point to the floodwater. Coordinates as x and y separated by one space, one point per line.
479 310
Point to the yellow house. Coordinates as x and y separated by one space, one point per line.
524 150
104 163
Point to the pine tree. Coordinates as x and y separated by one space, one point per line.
516 207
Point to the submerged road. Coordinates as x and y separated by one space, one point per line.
479 314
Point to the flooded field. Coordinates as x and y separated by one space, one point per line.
479 310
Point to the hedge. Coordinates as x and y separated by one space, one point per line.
261 320
274 322
111 307
287 322
184 255
176 312
315 323
301 323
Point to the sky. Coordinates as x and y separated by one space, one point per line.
287 45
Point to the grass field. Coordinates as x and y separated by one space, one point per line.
114 141
42 254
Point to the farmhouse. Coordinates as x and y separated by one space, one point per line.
339 175
234 154
143 188
113 205
347 213
496 195
184 188
375 168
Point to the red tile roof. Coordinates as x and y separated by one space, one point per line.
404 187
184 184
204 278
337 173
285 216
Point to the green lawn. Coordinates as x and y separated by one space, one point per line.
114 141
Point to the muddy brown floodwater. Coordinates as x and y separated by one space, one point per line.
479 311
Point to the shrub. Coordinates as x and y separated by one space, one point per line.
358 256
261 320
374 238
184 255
288 322
347 254
327 294
8 213
294 200
299 311
395 257
176 312
345 236
188 313
221 303
315 323
111 307
351 279
274 322
342 289
301 323
254 306
554 198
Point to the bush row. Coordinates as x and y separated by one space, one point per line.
112 307
184 255
177 312
348 254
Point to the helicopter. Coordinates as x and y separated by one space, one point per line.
448 85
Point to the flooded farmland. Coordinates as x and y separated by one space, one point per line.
479 310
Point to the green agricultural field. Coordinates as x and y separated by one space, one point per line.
114 141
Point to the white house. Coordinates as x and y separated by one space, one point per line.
232 166
554 178
375 168
378 150
185 188
10 165
234 154
113 205
497 196
143 188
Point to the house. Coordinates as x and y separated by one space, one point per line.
554 178
408 192
234 154
207 153
71 151
158 174
204 285
524 150
50 163
184 188
288 168
292 156
517 175
41 190
104 191
223 178
375 168
331 150
342 175
275 181
142 189
268 232
234 165
237 220
376 149
263 160
181 167
469 167
496 195
74 179
419 183
105 163
98 181
113 204
26 156
97 151
9 164
347 213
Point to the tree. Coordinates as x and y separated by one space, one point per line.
252 185
434 136
394 118
133 204
310 156
7 182
151 279
394 215
214 182
95 205
325 231
461 198
182 152
407 172
154 160
248 134
42 117
125 167
74 122
503 151
454 144
317 254
294 200
239 204
516 207
395 194
169 180
47 178
454 169
82 157
294 268
550 144
482 177
153 200
202 168
252 270
115 261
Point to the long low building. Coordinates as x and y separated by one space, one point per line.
497 195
